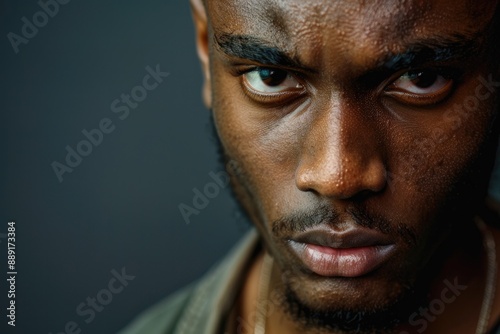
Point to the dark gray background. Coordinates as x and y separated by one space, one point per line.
119 207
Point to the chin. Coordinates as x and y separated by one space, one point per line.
370 304
366 310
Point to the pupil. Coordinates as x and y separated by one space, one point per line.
272 77
423 79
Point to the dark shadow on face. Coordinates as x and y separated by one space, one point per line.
224 163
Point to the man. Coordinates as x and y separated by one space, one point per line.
361 137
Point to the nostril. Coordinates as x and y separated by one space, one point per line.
304 179
355 182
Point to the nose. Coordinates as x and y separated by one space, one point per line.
341 155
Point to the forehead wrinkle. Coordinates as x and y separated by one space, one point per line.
372 30
304 22
346 35
304 29
333 32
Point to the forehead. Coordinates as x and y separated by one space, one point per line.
353 30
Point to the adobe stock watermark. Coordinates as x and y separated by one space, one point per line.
209 191
95 137
87 309
421 319
48 10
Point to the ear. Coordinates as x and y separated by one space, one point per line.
201 30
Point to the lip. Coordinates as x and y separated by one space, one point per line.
352 253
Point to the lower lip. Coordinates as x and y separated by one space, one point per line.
342 262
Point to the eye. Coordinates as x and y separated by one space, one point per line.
421 87
268 81
421 82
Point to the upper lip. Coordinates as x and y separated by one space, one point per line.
354 237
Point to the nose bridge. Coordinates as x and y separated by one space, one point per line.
341 155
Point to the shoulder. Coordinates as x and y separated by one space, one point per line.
200 307
496 329
162 317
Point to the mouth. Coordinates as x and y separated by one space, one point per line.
354 253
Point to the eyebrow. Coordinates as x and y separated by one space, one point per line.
431 50
435 50
255 49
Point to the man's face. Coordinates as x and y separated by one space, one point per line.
354 126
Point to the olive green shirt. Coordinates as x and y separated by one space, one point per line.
202 307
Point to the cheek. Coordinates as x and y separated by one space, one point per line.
431 156
262 143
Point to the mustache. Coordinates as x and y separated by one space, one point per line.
304 220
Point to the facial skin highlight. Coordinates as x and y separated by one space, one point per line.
350 118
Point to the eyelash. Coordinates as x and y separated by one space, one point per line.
449 73
452 74
239 71
272 99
